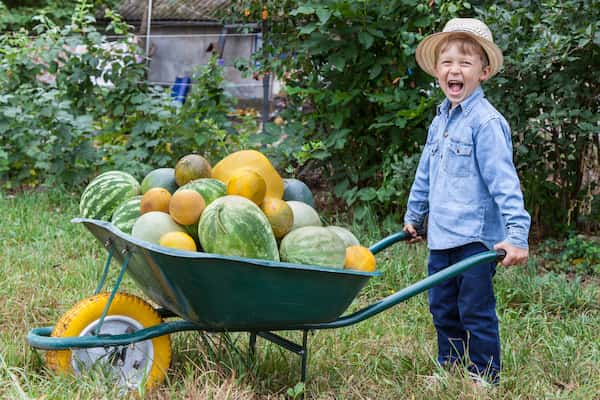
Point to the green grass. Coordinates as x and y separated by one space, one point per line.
549 328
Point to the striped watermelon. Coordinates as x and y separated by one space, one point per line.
105 193
313 245
235 226
210 189
126 214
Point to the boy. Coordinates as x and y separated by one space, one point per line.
467 185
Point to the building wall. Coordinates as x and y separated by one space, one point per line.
179 50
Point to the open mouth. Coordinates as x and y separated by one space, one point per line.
455 86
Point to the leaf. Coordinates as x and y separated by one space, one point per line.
375 71
307 29
365 39
306 10
337 61
324 14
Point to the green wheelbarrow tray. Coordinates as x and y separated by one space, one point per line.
216 293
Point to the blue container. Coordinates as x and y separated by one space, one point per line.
181 88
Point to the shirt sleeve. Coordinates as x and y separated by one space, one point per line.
418 200
495 159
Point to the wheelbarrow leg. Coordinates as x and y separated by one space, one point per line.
252 345
304 355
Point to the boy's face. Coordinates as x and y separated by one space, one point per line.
459 74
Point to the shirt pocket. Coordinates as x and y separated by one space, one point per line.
459 159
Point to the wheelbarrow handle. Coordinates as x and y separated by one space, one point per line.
412 290
388 241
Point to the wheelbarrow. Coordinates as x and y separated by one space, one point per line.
207 293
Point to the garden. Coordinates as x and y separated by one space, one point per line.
356 113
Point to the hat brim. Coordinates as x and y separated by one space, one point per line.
425 54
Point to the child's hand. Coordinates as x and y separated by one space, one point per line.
514 255
410 228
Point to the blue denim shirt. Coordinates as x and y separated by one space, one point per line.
466 182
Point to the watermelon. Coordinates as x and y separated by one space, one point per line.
235 226
296 190
126 214
304 215
105 193
313 245
152 225
210 189
161 177
347 237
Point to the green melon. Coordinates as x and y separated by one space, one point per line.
210 189
313 245
126 214
235 226
347 237
105 193
304 215
296 190
161 177
152 225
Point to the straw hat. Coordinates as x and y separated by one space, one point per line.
469 26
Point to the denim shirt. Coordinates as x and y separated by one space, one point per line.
466 182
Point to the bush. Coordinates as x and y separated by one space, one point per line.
549 92
359 105
72 104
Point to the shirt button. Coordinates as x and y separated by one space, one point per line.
445 134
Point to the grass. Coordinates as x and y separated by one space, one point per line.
549 328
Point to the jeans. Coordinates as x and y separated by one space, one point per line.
464 313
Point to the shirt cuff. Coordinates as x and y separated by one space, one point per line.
518 237
414 219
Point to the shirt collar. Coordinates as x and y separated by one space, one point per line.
466 105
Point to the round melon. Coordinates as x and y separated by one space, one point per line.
347 237
313 245
105 193
190 167
235 226
161 177
228 167
279 214
126 214
304 215
152 225
296 190
249 184
210 189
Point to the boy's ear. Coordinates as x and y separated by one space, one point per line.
487 70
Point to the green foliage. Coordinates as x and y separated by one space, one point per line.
578 254
72 103
357 101
18 14
360 106
550 93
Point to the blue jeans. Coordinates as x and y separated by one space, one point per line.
464 313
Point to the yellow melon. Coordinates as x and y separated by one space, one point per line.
249 184
178 240
255 160
359 258
279 214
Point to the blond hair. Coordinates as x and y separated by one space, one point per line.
466 45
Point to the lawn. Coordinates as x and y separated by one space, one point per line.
549 327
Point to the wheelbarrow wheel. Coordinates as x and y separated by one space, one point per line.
136 366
